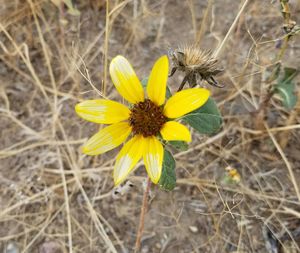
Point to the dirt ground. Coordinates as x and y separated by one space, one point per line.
54 199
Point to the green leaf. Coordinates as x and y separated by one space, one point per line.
206 119
180 145
286 92
144 83
289 75
286 88
168 177
272 72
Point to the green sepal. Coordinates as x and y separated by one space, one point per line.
168 176
206 119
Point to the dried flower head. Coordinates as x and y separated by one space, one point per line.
195 63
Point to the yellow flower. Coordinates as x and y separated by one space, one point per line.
145 120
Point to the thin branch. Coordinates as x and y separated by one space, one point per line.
218 51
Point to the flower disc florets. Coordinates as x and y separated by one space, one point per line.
146 118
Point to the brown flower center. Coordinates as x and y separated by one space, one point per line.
146 118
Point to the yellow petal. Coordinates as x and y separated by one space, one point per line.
157 83
153 158
128 157
102 111
185 101
107 139
174 131
125 80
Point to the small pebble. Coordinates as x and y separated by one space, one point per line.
193 229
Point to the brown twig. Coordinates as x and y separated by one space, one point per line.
142 217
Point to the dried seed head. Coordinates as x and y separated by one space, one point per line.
200 60
195 63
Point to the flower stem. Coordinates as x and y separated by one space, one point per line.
142 216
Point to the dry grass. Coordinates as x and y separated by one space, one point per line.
52 196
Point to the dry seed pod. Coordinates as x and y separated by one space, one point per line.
195 63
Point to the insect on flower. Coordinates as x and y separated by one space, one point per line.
147 120
194 63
